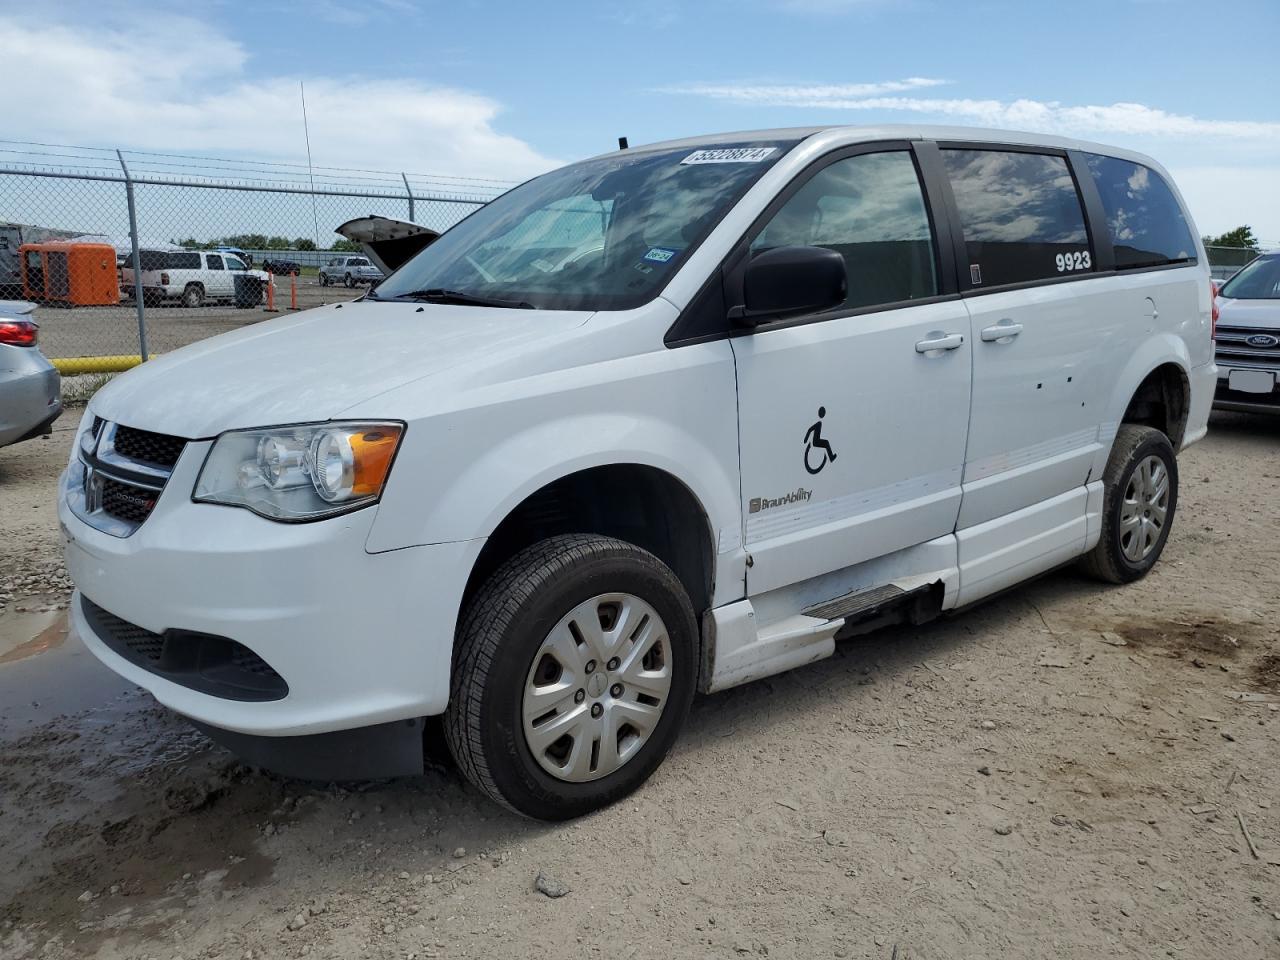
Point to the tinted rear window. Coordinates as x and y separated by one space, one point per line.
1143 217
183 261
1021 216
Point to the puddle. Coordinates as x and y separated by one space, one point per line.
25 635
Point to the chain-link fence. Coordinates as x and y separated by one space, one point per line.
1225 261
85 236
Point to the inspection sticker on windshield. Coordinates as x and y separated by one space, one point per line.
659 254
731 155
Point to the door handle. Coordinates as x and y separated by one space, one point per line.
1002 332
940 341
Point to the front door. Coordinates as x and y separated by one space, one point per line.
220 279
852 422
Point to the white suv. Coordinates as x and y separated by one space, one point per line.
663 421
349 271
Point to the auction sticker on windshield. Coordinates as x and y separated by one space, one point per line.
731 155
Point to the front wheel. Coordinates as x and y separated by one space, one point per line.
575 668
1140 497
324 281
347 281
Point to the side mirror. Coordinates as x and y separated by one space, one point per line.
789 280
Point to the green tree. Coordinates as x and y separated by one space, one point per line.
347 246
304 243
277 243
1239 237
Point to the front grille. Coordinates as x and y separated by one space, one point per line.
218 666
126 502
147 447
123 471
1234 350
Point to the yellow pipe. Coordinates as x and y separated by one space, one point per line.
70 366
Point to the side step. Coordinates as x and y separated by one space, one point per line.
915 605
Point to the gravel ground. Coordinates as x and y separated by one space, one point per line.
1065 771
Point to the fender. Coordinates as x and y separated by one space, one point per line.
1155 351
675 411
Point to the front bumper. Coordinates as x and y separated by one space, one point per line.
1241 402
359 638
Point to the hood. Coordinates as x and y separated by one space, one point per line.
1249 313
314 365
388 242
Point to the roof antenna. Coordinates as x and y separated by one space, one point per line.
622 143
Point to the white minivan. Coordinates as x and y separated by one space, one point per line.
664 421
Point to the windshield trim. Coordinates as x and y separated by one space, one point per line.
542 300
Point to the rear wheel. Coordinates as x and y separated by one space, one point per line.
1139 501
574 673
347 281
193 295
324 281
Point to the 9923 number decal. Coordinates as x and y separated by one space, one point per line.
1077 260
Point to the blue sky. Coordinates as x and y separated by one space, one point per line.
508 89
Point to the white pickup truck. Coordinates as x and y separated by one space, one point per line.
194 277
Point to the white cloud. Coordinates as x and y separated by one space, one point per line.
139 88
1131 119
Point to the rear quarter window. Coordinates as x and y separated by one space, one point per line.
183 261
1021 215
1144 218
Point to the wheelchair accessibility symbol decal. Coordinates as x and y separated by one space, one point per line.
813 442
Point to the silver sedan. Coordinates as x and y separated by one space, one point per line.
30 388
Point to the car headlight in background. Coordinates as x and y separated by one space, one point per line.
302 472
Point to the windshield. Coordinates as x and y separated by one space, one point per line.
605 234
1259 280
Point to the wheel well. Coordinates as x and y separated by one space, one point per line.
194 283
639 504
1162 401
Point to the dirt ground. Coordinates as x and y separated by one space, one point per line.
111 331
1066 771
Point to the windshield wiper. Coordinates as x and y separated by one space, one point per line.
438 295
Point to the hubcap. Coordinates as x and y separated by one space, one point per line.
1144 509
584 738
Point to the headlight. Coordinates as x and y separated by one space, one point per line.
303 472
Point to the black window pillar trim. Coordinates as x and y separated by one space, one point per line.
1095 214
944 217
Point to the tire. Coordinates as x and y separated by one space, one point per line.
324 281
502 653
347 281
193 295
1131 541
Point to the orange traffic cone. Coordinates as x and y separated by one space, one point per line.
271 294
293 291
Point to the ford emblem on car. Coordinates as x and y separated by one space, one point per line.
1263 340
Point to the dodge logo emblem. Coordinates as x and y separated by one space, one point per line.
1262 340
